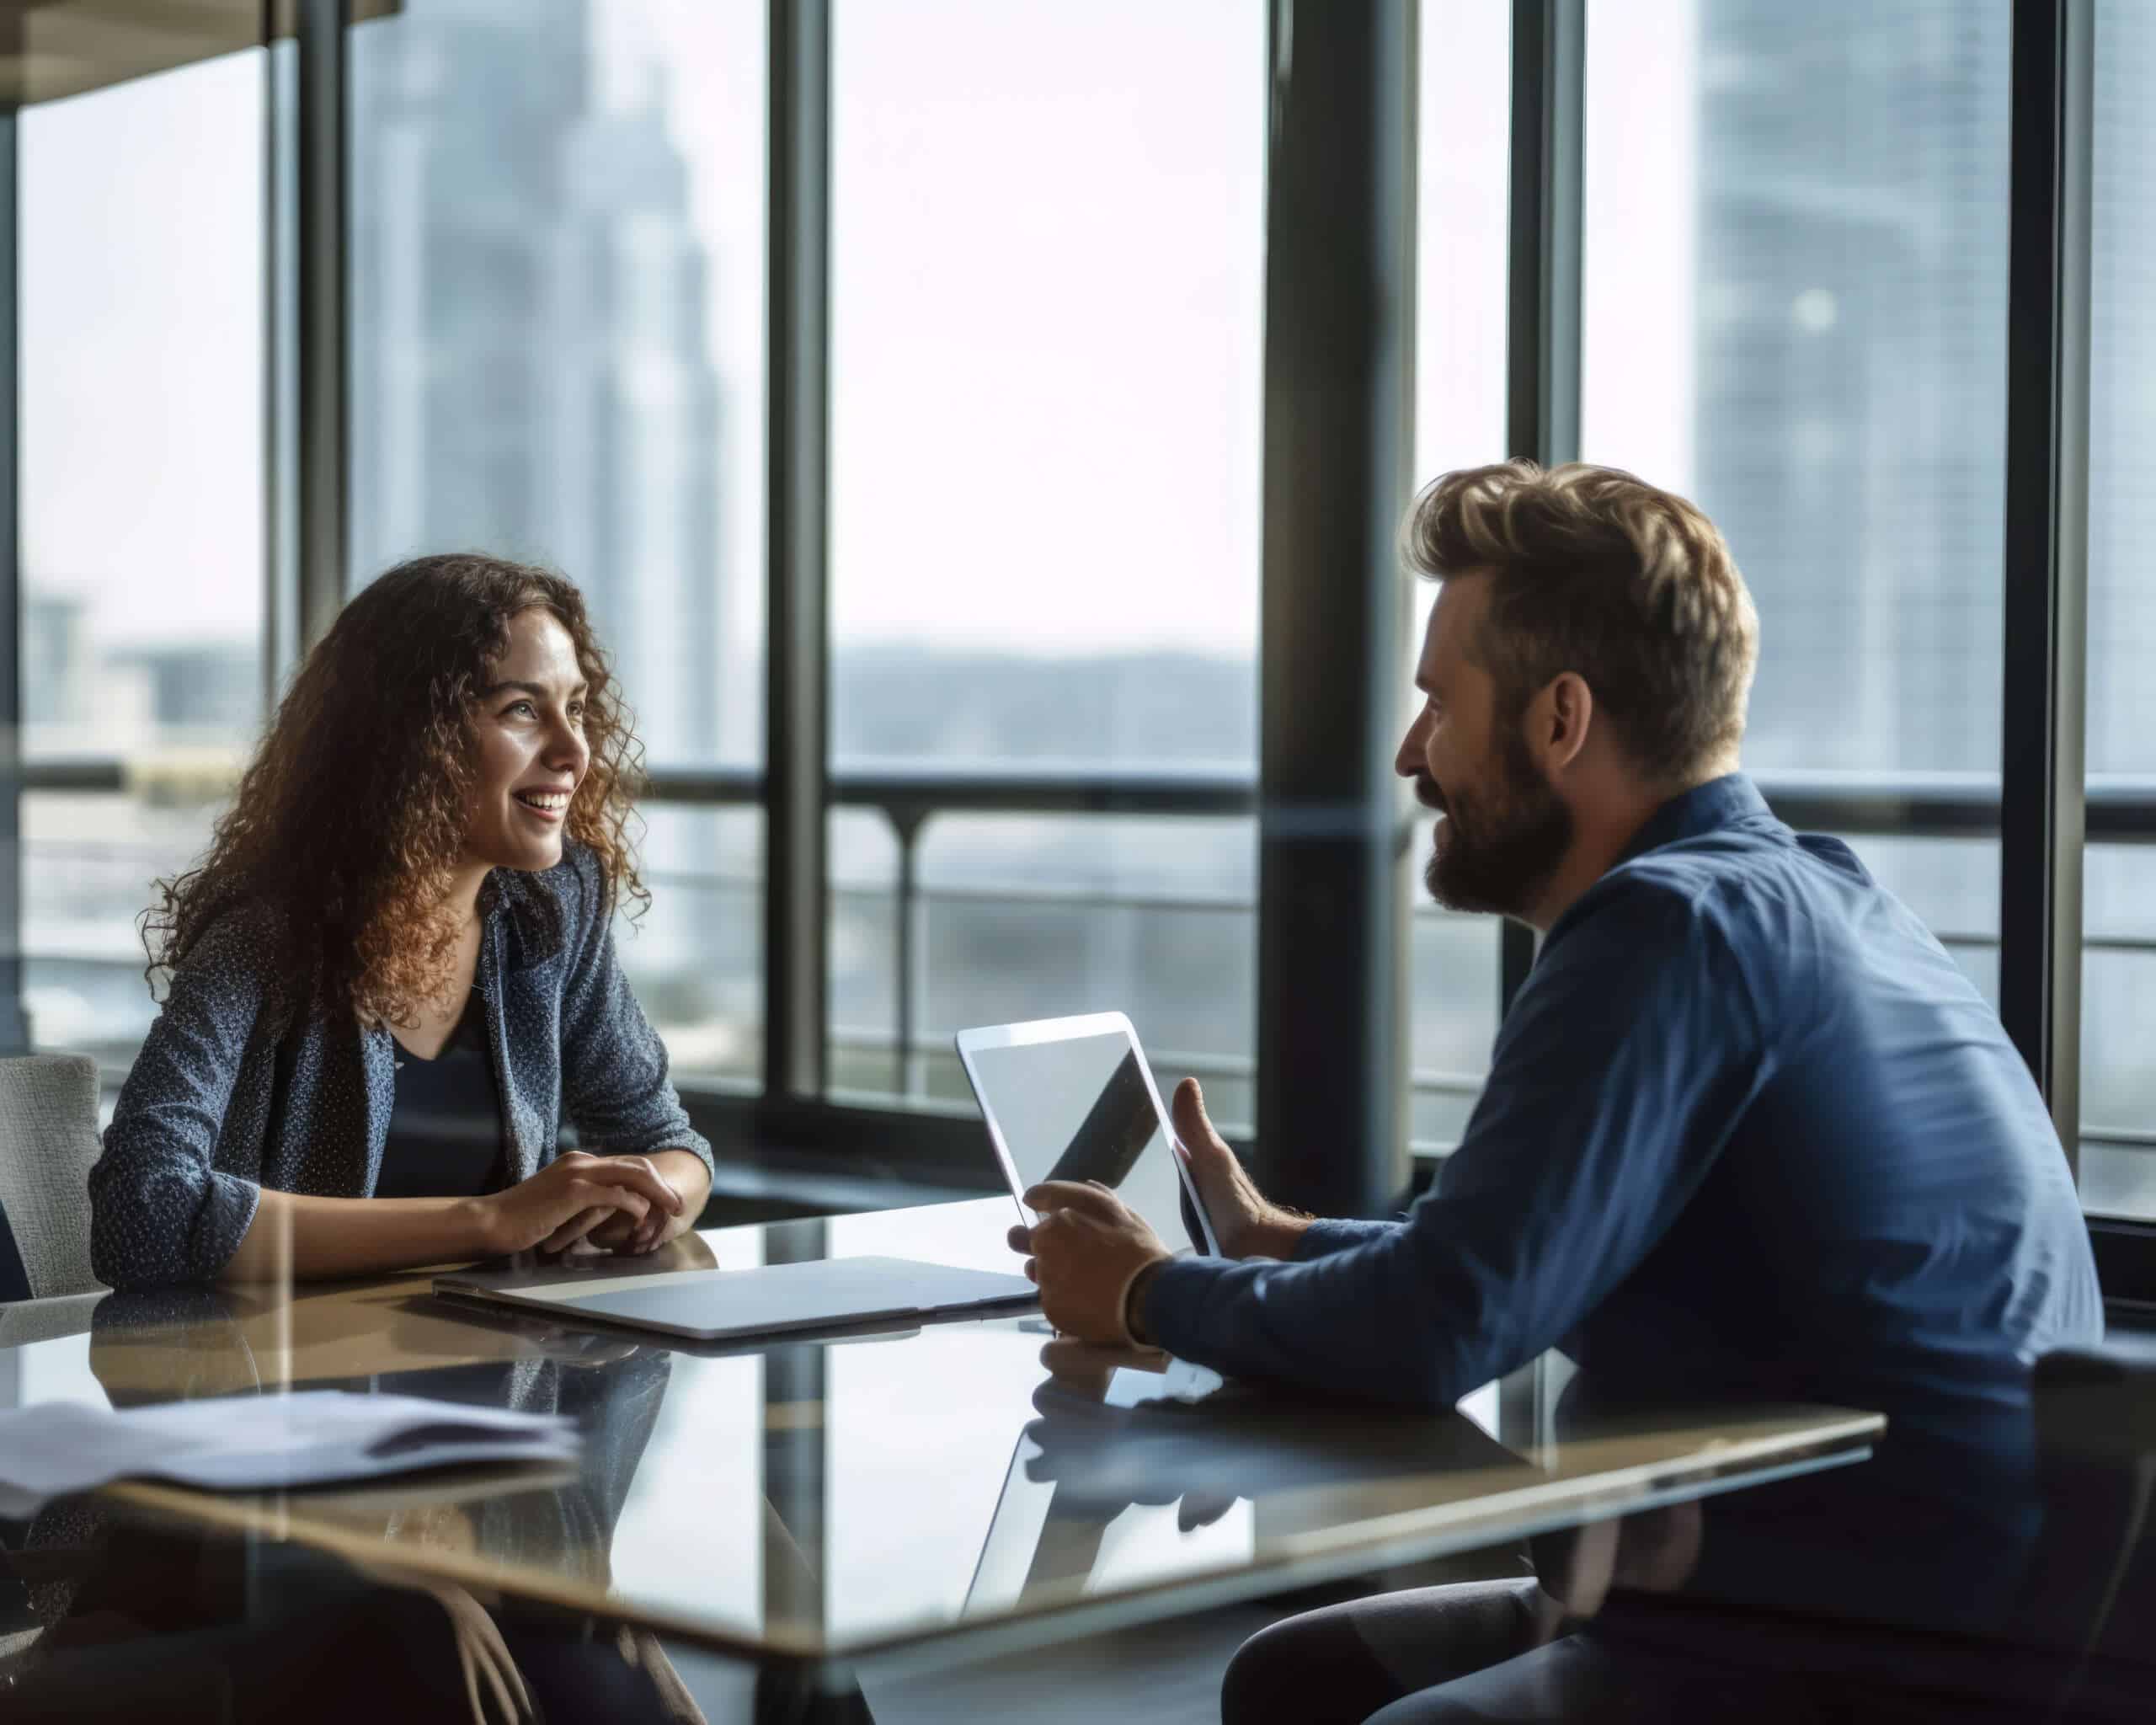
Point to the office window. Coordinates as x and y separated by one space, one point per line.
696 958
141 273
1103 911
87 863
1795 313
1047 288
557 325
1462 185
2118 959
1463 188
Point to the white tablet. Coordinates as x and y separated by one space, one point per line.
1072 1099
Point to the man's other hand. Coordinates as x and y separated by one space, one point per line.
1085 1250
1246 1224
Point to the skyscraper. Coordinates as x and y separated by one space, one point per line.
629 408
531 368
2118 1070
460 114
2123 397
531 372
1852 164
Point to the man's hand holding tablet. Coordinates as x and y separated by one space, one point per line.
1245 1223
1086 1251
1089 1252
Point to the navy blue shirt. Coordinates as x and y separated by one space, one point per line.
1749 1133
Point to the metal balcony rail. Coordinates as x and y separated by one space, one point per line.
2121 807
2122 810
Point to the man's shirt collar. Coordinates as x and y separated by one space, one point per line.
1704 808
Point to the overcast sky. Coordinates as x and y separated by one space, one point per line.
1046 315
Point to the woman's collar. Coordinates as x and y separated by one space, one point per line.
528 907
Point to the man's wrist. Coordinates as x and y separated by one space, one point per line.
1133 1303
1281 1234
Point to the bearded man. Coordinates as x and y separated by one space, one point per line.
1749 1134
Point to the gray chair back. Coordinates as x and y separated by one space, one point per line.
48 1140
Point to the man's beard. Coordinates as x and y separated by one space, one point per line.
1502 854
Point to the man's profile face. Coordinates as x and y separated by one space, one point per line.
1505 829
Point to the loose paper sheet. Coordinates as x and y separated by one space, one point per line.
240 1442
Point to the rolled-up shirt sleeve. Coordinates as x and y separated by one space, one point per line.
1617 1080
160 1212
615 1087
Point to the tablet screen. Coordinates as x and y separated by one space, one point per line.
1079 1108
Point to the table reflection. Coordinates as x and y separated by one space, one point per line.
782 1488
172 1344
842 1492
787 1488
1135 1456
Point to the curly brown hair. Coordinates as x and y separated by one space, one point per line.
350 820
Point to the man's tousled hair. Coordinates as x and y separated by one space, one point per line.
1594 571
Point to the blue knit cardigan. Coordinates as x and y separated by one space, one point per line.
239 1086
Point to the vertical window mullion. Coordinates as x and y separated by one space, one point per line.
796 870
14 1027
1332 1100
281 427
322 213
1542 340
2042 813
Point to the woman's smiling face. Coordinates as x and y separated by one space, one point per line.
531 754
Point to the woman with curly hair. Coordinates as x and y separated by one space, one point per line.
394 975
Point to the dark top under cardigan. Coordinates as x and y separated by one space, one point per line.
445 1138
236 1089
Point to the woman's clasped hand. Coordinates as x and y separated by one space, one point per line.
618 1201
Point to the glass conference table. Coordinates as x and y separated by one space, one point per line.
892 1502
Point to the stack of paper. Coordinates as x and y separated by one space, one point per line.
233 1443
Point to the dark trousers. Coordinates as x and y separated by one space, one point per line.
1498 1651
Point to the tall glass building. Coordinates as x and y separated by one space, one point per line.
530 369
532 376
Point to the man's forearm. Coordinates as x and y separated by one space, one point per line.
1393 1319
1290 1237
